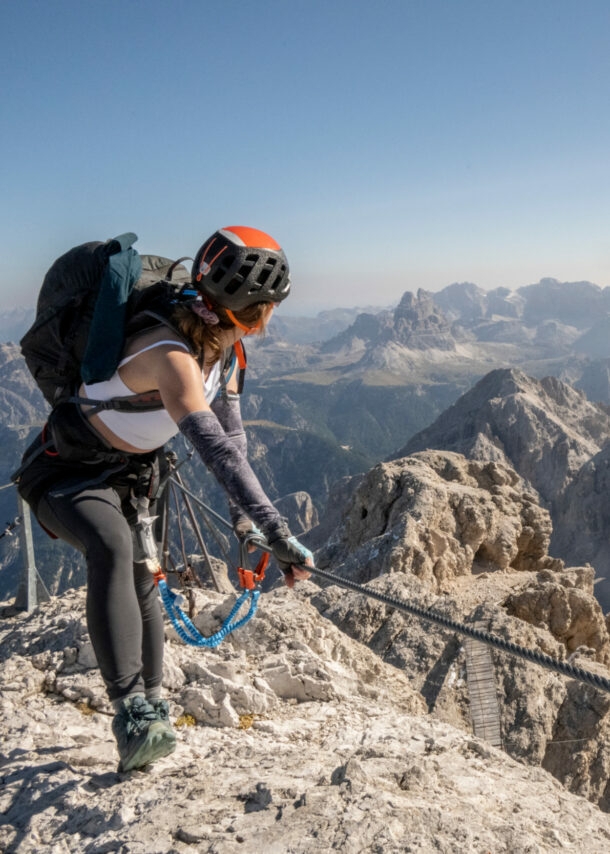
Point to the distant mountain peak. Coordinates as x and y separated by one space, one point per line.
544 428
417 323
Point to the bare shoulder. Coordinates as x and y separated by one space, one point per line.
159 359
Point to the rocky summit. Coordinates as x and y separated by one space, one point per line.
555 438
333 722
292 737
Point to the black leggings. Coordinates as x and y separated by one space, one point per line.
124 615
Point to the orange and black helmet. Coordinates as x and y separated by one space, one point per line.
239 266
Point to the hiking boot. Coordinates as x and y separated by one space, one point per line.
161 708
142 736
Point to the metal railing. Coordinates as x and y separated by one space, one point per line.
32 589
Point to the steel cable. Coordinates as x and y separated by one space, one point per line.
514 649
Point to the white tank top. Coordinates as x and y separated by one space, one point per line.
144 430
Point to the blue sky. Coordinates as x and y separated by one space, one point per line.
388 145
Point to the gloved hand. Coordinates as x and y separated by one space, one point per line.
244 529
292 557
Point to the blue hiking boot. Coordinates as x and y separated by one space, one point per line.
142 735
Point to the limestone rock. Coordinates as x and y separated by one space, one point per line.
300 511
416 324
435 515
564 605
340 757
468 540
463 301
338 500
582 521
545 429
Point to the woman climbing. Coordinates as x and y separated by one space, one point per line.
239 275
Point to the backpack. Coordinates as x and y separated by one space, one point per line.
86 300
92 299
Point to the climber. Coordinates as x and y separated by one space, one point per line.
239 275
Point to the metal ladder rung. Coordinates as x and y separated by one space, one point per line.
481 679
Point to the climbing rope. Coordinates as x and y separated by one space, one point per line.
186 629
249 579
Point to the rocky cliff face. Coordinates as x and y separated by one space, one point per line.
582 521
417 323
447 516
556 439
544 428
468 539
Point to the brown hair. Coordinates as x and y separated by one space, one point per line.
204 337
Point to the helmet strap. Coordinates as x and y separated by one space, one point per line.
249 330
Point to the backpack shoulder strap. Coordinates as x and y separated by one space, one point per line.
242 363
234 356
106 332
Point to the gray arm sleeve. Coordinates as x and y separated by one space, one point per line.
230 468
227 408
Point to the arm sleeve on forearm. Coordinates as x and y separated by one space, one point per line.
226 407
230 468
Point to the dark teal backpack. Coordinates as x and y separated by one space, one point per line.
86 299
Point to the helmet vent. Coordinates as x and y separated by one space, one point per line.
242 275
226 261
266 272
277 284
234 285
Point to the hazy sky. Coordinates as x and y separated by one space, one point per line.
388 145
